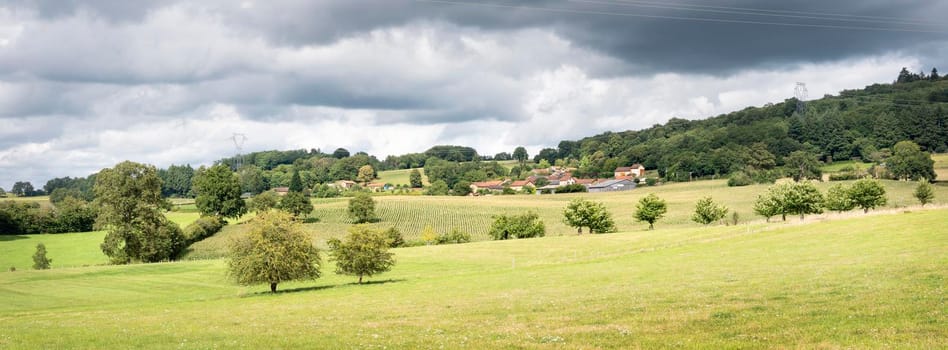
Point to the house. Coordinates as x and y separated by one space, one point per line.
612 185
634 171
344 184
281 190
585 182
519 185
496 185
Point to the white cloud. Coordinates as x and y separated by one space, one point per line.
80 93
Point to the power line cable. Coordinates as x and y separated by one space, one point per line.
896 19
697 19
742 11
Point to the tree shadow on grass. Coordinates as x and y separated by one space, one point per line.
5 238
316 288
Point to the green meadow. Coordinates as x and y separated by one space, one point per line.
875 281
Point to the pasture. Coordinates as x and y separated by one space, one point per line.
400 177
410 214
875 281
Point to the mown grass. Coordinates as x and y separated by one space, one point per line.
66 249
839 165
876 281
410 214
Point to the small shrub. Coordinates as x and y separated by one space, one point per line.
455 236
651 181
735 218
527 225
202 228
40 261
739 179
394 237
428 235
924 192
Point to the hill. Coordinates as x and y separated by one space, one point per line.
871 282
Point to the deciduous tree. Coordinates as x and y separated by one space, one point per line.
218 192
924 192
707 211
363 253
275 250
130 208
526 225
414 178
297 204
581 213
838 199
867 194
649 209
909 162
362 208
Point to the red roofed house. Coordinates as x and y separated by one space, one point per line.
496 185
519 185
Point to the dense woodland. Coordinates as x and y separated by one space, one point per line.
856 124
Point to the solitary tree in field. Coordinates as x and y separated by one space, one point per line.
581 213
838 199
867 194
707 211
649 209
275 250
296 203
218 192
924 192
366 174
362 208
414 178
130 209
363 253
40 261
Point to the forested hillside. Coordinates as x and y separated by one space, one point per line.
857 123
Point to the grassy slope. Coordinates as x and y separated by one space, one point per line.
410 214
66 249
400 177
873 282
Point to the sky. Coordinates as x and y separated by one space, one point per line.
87 84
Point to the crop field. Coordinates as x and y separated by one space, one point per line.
875 281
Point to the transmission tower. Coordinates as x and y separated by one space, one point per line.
801 94
239 140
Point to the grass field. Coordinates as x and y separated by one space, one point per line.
875 281
66 249
839 165
410 214
941 166
400 177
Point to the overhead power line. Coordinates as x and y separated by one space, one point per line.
756 12
680 18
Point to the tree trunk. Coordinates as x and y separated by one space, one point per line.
579 230
360 279
273 287
865 210
801 216
651 226
784 215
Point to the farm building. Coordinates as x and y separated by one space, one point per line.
636 170
612 185
344 184
496 185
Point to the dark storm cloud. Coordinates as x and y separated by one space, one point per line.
808 30
613 27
